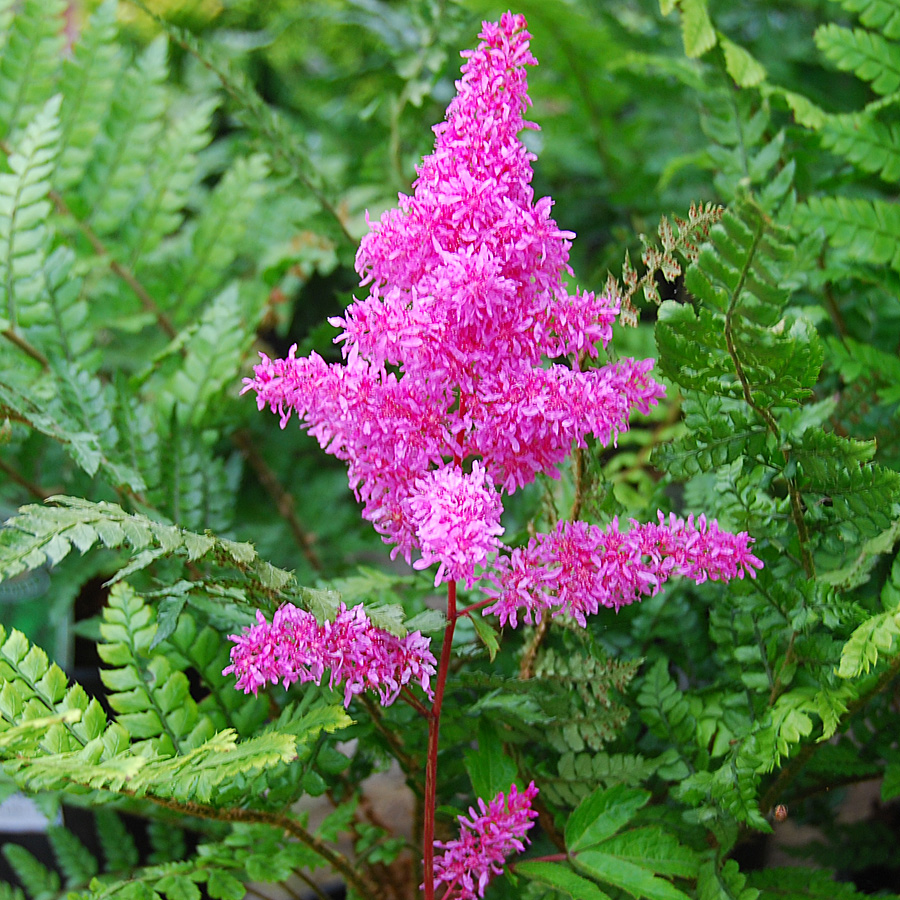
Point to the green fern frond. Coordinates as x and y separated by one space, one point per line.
218 233
877 637
725 883
78 865
24 209
29 62
90 403
125 147
580 773
867 54
663 708
203 650
170 182
69 336
279 141
867 143
40 882
855 359
120 852
847 497
47 534
868 231
717 434
88 83
590 717
211 355
737 344
151 698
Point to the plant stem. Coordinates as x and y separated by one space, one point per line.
434 727
286 823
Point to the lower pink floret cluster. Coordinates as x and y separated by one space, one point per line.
357 654
485 840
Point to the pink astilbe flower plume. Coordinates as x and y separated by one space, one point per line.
485 840
446 359
579 568
295 647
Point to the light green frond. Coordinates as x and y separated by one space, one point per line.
29 63
90 77
24 210
865 53
866 142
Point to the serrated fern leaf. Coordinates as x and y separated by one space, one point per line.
68 335
848 499
869 144
878 637
46 534
736 344
725 883
664 708
78 865
579 773
867 54
591 717
204 650
29 61
218 233
170 182
716 435
868 231
152 698
126 143
119 849
211 356
40 882
32 690
89 81
35 405
24 209
284 147
90 403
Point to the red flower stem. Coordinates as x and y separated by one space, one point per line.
434 727
470 609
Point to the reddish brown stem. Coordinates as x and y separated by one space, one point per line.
434 727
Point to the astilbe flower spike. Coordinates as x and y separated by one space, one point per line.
295 647
579 568
446 359
485 840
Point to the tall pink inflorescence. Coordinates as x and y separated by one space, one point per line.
446 399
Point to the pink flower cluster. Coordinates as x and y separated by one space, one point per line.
295 647
485 841
445 397
579 568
